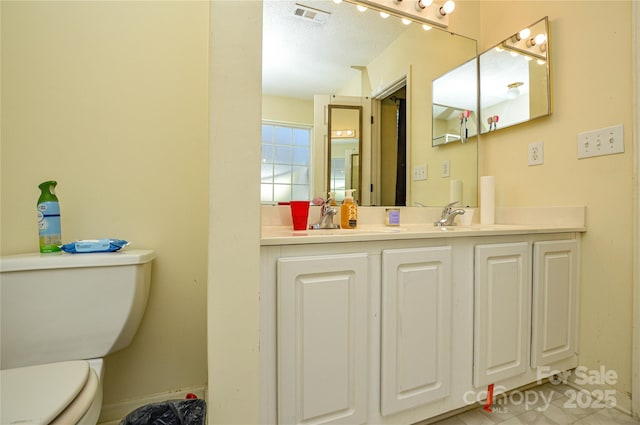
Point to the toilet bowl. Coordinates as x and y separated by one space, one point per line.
60 315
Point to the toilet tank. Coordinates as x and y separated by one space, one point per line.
70 306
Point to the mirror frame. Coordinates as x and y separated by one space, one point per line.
359 108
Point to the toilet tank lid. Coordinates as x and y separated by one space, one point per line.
36 261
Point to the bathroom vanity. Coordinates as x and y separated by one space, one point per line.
394 325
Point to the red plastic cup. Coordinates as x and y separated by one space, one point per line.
299 214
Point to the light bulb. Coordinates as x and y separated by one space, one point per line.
422 4
540 38
406 21
361 8
449 6
525 33
384 15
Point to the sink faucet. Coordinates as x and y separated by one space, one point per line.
448 215
326 217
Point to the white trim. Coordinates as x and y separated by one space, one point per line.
635 69
403 80
115 412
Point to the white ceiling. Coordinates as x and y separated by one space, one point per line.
302 58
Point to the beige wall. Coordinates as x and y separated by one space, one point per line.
287 109
110 99
592 88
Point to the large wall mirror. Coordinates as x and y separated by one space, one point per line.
514 79
314 49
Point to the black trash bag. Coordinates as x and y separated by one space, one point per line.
173 412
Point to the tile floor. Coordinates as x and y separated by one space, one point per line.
544 405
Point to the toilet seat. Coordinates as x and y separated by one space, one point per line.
56 393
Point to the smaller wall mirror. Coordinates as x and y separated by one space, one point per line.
514 79
345 144
455 105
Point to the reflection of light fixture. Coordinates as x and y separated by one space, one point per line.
361 8
514 91
384 15
337 1
343 134
426 27
406 21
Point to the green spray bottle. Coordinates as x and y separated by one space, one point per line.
49 218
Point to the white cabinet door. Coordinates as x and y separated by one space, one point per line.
322 339
416 327
554 301
502 316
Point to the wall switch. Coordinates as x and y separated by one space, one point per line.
445 170
535 153
605 141
420 172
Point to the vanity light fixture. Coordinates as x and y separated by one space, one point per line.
422 11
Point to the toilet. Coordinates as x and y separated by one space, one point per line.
60 315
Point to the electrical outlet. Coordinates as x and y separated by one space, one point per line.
535 153
445 171
605 141
420 172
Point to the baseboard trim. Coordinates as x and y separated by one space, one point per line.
623 400
113 413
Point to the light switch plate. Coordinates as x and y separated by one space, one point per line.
420 172
604 141
445 170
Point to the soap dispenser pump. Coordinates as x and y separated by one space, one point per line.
349 211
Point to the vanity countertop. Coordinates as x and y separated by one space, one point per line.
284 235
510 221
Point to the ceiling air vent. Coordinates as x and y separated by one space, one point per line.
310 14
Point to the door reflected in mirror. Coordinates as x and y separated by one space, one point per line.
345 141
514 79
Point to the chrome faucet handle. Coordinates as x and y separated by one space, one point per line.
447 210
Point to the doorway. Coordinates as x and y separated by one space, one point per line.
393 148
